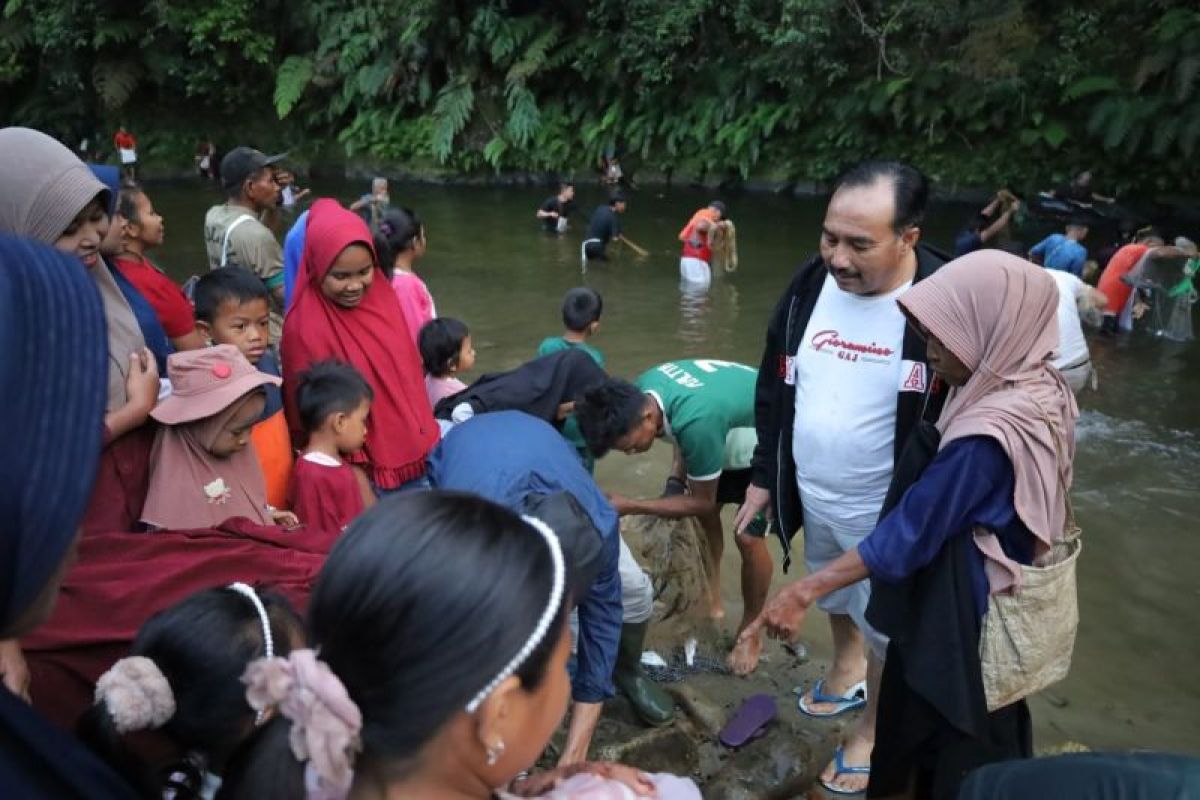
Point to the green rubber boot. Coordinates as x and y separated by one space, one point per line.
653 705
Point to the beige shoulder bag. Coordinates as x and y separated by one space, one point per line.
1028 635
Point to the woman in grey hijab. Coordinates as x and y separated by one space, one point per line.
48 194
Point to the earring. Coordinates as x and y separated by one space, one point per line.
494 752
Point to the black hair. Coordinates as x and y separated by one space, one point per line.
329 387
127 201
202 645
616 197
422 602
581 307
440 341
1149 232
399 228
909 185
608 412
719 206
564 185
226 283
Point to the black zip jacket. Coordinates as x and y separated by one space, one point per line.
775 401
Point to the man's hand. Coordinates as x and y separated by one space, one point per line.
782 617
757 501
13 669
1140 308
621 503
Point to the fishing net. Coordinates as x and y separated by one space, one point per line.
723 242
671 552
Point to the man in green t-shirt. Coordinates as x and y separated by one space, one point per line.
705 407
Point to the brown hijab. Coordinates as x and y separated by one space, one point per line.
998 314
43 186
189 487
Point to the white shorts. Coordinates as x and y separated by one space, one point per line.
694 272
825 541
637 591
128 155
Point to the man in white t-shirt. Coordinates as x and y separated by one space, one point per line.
842 385
1073 359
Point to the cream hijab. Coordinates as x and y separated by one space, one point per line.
43 186
998 314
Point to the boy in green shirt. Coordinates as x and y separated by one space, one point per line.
581 311
705 407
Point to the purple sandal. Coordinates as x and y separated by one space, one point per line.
749 722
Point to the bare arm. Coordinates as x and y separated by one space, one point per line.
993 230
700 500
584 718
785 613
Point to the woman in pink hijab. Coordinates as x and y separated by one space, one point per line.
992 496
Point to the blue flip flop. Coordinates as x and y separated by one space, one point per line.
856 697
839 765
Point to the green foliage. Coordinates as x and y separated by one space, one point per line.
976 91
290 82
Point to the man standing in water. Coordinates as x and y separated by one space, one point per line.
843 384
371 207
554 211
695 257
706 408
604 226
233 233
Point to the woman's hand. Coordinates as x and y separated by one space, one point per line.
13 670
141 384
638 781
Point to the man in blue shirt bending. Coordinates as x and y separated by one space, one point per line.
513 458
1065 253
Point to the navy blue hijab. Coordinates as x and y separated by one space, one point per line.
53 389
147 319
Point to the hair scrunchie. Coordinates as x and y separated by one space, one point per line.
325 722
136 694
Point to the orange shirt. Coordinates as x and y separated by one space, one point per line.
273 446
1115 289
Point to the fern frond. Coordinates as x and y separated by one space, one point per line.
291 80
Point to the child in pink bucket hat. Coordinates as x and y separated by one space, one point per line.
202 471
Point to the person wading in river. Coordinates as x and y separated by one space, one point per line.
843 383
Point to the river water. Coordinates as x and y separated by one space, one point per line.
1137 471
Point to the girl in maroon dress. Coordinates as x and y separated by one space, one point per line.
333 401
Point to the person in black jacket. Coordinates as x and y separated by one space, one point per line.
842 384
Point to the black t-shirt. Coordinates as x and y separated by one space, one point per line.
554 204
605 224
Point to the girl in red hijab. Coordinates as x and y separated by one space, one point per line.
345 309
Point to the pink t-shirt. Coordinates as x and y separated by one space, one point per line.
415 299
439 388
593 787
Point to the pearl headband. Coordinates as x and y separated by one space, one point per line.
247 591
543 625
